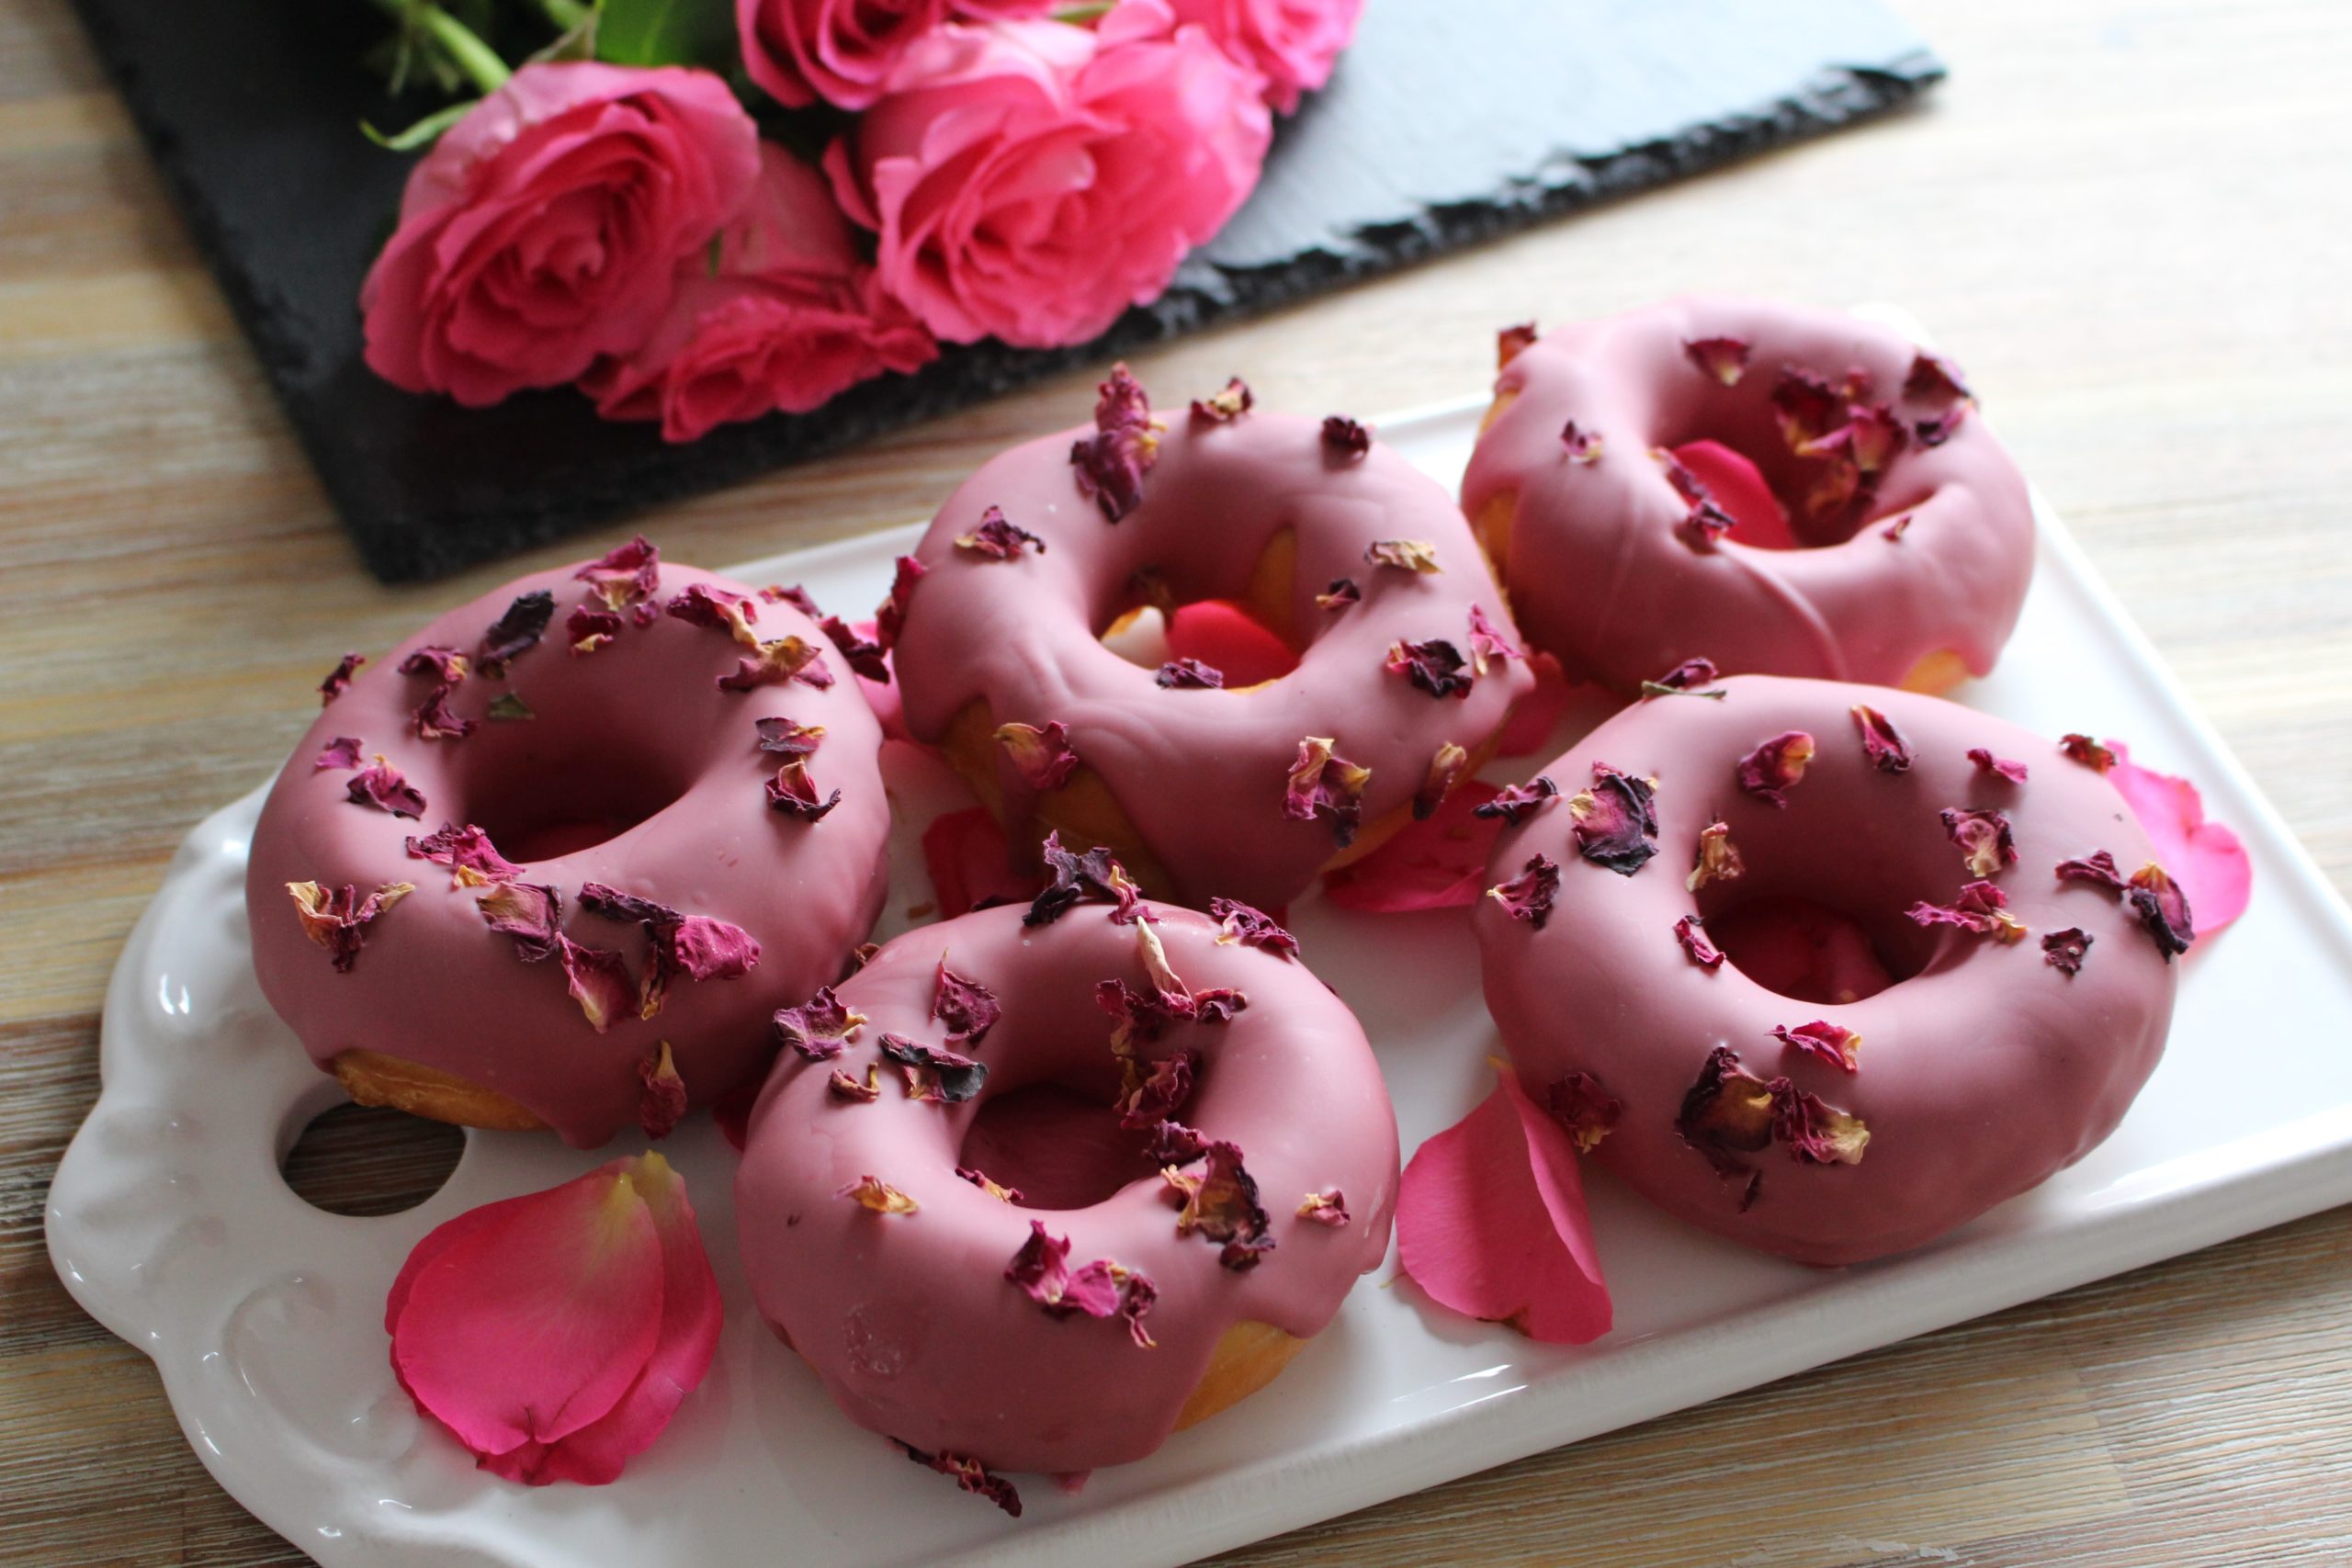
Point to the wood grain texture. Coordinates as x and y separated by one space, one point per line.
2125 218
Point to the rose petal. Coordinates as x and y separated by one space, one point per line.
996 537
1491 1222
518 627
2205 858
1226 637
1345 440
1439 862
968 858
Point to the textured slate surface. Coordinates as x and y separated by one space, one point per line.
1448 122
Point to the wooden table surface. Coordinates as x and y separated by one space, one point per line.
2129 219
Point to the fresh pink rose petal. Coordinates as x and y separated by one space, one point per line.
1437 864
2205 858
555 1334
1230 640
1491 1222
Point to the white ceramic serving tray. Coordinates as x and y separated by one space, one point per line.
169 1222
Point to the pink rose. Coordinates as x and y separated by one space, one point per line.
1292 43
843 52
1030 179
789 318
544 229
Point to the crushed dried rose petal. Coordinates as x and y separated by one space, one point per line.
338 679
2097 868
1345 440
1341 593
1774 767
1616 820
1701 952
598 980
933 1074
1323 784
890 617
785 738
1511 341
2162 909
1417 556
434 720
1225 407
1239 923
865 1091
1577 446
1000 1193
788 658
968 1008
1933 380
1328 1207
529 912
873 1193
2064 950
793 791
862 654
1691 678
1815 1132
1446 767
662 1103
1110 464
1999 767
338 920
1588 1112
1488 642
1528 895
819 1028
1154 1092
2088 752
1981 909
1982 837
343 751
1881 742
629 575
996 537
446 665
1189 674
1516 802
1726 1112
1093 876
1042 757
517 629
1436 667
970 1475
1724 358
588 628
1831 1042
382 786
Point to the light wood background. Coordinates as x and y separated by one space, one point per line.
2129 219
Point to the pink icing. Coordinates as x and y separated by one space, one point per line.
1600 572
910 1320
1201 772
1983 1069
636 735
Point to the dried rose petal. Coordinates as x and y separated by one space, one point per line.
1323 784
1510 341
890 617
1718 858
1341 593
1151 1094
788 658
1487 641
598 980
338 920
518 627
1981 909
1418 555
1491 1222
2163 909
446 665
1881 742
1776 766
873 1193
820 1027
343 751
1687 485
1895 531
1110 464
970 1476
1934 382
434 721
555 1334
1726 1112
1222 1204
865 1091
1239 923
1225 407
1832 1043
2097 868
1616 824
796 596
1528 897
934 1073
1934 433
862 654
1042 757
382 786
338 679
529 912
1446 767
794 792
1999 767
2088 752
1702 952
2064 950
1516 802
1000 1193
1809 407
1579 445
1982 837
508 707
1345 440
1093 876
1189 674
1815 1132
968 1008
1436 666
663 1101
1703 524
785 738
997 538
1588 1112
1724 358
1691 678
588 629
1041 1266
629 575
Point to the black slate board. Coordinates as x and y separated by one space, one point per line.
1449 121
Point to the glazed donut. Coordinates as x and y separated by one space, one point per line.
535 844
1786 491
903 1215
1406 663
2008 993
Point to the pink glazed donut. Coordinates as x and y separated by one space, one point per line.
1042 1194
1786 491
2002 992
624 843
1406 663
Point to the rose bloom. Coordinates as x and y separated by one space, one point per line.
1292 43
843 52
1030 180
786 318
545 227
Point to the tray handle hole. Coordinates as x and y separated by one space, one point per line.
366 1161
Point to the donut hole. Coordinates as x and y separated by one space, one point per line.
1241 630
1740 454
559 805
1811 952
1058 1146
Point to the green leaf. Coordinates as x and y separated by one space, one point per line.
666 32
424 133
